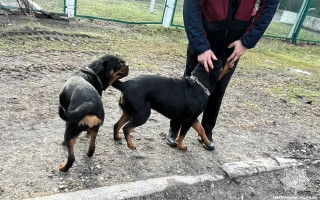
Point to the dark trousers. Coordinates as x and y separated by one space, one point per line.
211 112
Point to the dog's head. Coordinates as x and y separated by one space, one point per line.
200 71
109 68
211 78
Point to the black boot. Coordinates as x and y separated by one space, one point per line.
211 145
172 136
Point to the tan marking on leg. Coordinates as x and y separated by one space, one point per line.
62 166
92 147
129 140
224 70
90 121
180 138
123 119
201 132
72 143
121 99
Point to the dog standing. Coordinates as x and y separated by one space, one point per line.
181 99
80 101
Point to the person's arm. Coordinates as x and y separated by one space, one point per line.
196 33
265 13
262 19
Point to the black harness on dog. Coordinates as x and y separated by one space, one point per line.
195 79
88 70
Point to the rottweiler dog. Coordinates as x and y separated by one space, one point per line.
182 99
80 101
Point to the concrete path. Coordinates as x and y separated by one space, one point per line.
133 189
150 186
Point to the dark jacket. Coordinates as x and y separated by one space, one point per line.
214 24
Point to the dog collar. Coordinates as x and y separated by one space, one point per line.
90 71
195 79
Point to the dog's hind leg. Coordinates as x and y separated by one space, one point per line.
90 121
70 137
141 114
137 120
123 120
182 133
93 133
127 129
201 132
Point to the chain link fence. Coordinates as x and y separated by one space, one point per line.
295 20
128 11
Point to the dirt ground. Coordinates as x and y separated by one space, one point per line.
32 132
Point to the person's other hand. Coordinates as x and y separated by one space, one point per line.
238 51
205 59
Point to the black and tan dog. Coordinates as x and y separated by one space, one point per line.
80 101
181 99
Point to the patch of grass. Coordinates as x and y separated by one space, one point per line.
138 43
286 54
126 10
266 66
253 104
302 93
306 34
138 11
52 6
282 30
278 29
274 58
132 11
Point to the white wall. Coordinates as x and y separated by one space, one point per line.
310 22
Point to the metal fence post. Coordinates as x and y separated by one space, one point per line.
174 12
152 6
294 33
64 7
168 12
70 8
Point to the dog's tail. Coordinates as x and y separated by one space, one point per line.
119 85
70 116
76 115
62 113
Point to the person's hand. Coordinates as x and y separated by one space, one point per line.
205 59
238 51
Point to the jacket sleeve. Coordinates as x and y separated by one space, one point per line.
194 26
262 19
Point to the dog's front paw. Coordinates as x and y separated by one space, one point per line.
132 147
62 167
182 147
90 153
117 137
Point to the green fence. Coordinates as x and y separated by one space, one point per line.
129 11
307 27
295 20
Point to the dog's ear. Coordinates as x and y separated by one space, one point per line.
97 66
215 72
217 66
103 65
217 63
